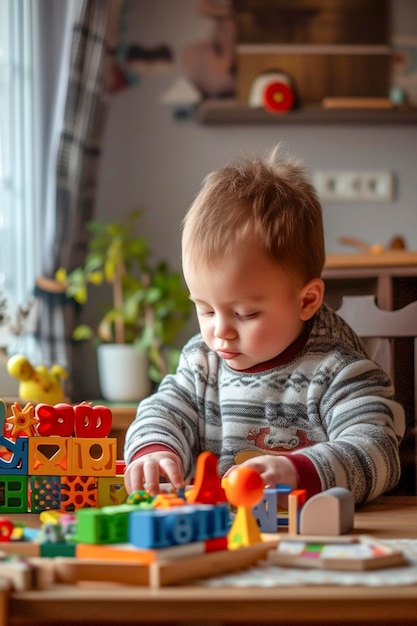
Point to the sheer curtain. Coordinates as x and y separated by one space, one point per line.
73 160
20 242
58 59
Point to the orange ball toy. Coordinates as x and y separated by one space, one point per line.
244 487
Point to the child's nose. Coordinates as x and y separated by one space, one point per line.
224 329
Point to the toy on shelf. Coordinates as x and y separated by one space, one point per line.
37 383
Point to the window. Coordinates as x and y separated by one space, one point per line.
19 208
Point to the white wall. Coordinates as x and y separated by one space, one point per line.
153 161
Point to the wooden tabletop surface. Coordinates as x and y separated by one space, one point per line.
389 517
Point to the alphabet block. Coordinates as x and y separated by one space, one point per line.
14 456
265 512
92 421
78 492
55 420
161 528
92 457
13 494
45 493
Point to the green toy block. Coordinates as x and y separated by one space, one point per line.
13 494
109 525
57 549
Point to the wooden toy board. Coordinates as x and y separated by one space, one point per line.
337 553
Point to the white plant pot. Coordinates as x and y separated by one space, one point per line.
122 372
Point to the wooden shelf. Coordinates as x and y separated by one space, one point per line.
231 112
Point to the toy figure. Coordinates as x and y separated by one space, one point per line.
37 384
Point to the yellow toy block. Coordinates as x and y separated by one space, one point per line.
111 490
94 457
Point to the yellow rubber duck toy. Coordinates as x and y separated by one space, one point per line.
37 384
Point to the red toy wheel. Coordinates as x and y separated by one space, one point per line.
278 97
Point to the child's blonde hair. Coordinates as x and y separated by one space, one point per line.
270 198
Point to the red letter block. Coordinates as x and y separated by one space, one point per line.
92 421
55 420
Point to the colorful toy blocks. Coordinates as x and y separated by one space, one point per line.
56 457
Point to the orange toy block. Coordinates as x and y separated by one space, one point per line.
146 556
50 456
78 492
111 490
22 422
296 499
94 457
207 488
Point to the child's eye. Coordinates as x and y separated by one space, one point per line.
246 316
205 313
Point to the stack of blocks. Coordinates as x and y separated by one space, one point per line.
58 457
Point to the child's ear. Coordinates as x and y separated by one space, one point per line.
312 295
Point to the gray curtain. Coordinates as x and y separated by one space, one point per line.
90 29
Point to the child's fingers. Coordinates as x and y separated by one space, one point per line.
151 474
171 468
134 477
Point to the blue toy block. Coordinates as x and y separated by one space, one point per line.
265 512
162 528
13 494
215 519
18 463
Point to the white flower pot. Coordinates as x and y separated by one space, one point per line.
122 372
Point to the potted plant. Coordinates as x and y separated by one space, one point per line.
148 306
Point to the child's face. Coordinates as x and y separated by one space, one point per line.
249 310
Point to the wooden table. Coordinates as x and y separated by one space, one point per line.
389 517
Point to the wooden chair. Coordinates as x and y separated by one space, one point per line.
390 338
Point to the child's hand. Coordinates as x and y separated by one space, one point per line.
274 470
145 472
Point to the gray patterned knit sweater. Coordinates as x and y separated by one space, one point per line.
329 408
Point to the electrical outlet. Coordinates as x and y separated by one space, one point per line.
354 186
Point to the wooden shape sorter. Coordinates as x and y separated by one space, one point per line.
94 457
50 456
45 493
14 456
78 492
13 494
111 490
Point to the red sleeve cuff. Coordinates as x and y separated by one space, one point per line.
308 477
149 449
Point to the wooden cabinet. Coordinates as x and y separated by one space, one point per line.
392 278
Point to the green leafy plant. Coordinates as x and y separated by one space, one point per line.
149 304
